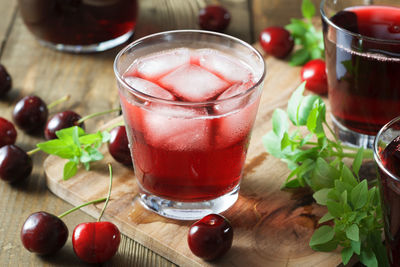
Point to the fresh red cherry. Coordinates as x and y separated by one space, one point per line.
5 81
119 146
276 41
314 74
61 121
15 164
30 114
43 233
211 237
8 134
96 242
214 18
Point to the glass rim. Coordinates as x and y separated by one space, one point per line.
377 156
357 35
182 103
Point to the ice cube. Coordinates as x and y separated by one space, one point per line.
232 104
149 88
193 83
156 65
223 65
177 128
235 126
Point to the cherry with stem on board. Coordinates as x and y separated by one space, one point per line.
31 112
97 242
214 18
276 41
68 119
44 233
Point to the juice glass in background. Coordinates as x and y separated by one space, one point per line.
362 49
189 100
387 157
80 25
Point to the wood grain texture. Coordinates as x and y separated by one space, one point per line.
272 227
276 13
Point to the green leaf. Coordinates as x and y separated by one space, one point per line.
322 235
321 196
90 139
358 161
327 217
305 108
335 208
348 177
326 247
324 175
346 254
106 136
368 258
75 135
296 29
272 144
70 169
294 103
66 134
352 232
59 148
299 57
295 183
279 122
307 9
359 195
356 246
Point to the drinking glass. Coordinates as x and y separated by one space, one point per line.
363 67
80 25
189 156
389 183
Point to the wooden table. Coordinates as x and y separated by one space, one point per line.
89 79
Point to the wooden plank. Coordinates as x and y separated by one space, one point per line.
271 227
8 10
276 13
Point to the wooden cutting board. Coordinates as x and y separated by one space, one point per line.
271 227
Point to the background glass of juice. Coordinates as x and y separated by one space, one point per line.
80 25
362 50
387 157
189 143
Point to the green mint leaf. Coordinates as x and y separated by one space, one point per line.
106 136
348 177
321 196
294 103
272 143
368 258
356 246
70 169
280 124
294 183
352 232
326 247
59 148
307 9
95 154
75 135
305 108
347 253
299 57
296 29
342 187
326 218
323 175
66 134
335 208
358 161
359 195
90 139
322 235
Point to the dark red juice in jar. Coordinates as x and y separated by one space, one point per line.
390 194
79 22
189 153
363 65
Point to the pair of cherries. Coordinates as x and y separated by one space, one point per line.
93 242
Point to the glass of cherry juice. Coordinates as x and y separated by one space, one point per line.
387 157
362 50
80 25
189 100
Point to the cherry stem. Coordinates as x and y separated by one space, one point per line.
109 193
120 123
33 151
97 114
59 101
81 206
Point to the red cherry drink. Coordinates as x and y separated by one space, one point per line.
363 66
183 153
